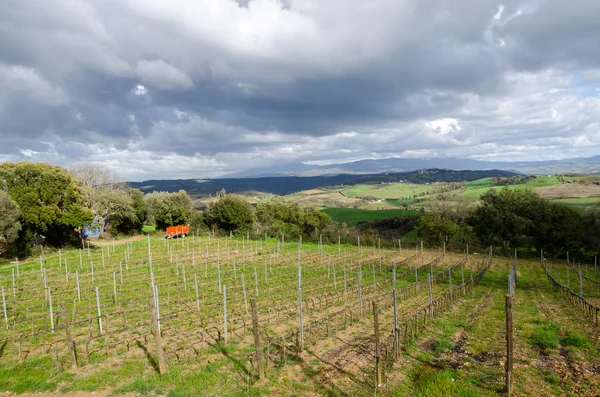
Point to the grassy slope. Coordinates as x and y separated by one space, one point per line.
395 190
463 353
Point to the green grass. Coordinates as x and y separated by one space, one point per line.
546 337
429 383
442 345
578 204
386 191
149 228
480 183
353 216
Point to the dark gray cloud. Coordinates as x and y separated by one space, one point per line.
193 88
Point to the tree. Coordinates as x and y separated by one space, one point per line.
94 175
315 221
173 209
49 198
522 219
591 221
140 207
9 218
230 213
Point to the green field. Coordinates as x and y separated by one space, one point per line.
354 216
386 191
149 228
578 204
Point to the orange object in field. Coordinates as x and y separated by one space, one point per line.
177 231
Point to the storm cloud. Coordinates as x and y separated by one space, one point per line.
201 88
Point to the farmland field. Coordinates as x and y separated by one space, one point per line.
83 320
354 216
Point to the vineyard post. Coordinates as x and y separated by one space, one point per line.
334 277
377 348
245 295
78 289
339 244
400 246
157 306
225 313
196 288
256 281
360 302
266 274
463 278
509 343
430 296
396 343
80 260
374 279
4 308
219 275
580 284
301 326
255 331
70 341
45 283
14 287
568 278
50 307
121 271
345 285
115 287
99 312
160 354
394 277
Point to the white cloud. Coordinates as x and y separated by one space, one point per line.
164 76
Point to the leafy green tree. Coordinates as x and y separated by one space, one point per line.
140 207
314 221
506 217
591 221
173 209
522 219
9 218
229 213
49 198
278 209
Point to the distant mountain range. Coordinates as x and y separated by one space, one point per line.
586 165
283 185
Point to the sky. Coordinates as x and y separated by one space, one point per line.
167 89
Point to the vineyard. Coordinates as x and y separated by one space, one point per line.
232 316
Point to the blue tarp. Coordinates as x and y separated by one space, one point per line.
89 231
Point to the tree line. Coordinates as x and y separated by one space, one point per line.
47 205
511 218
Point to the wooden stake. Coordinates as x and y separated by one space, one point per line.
377 348
160 354
509 344
255 331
